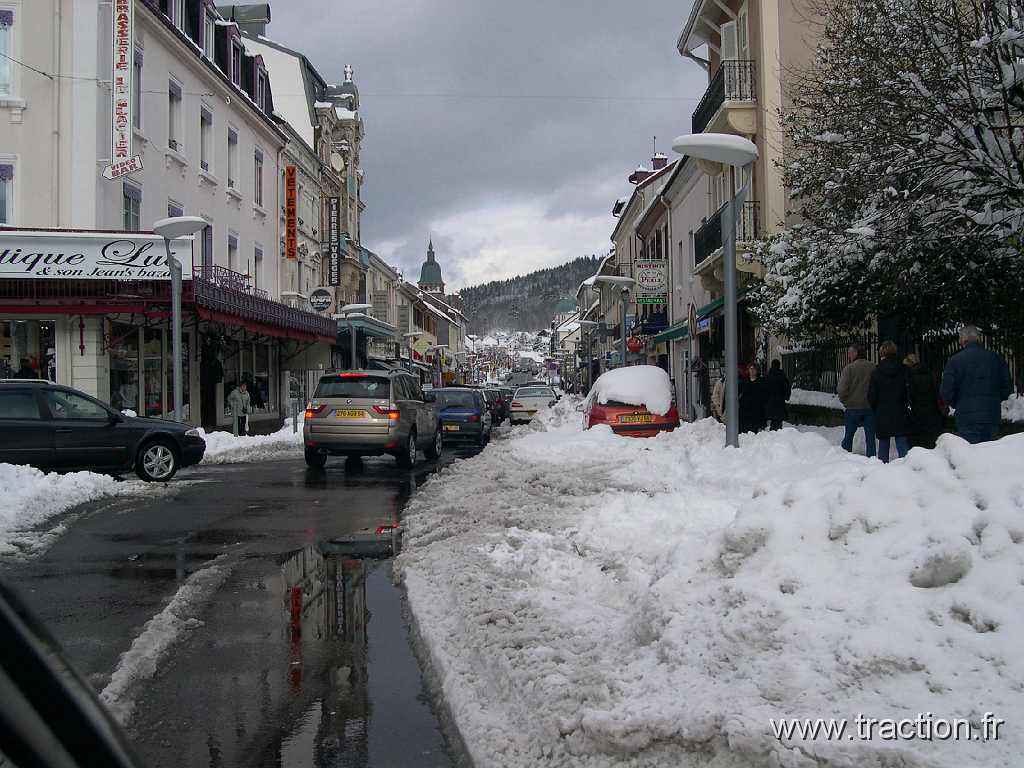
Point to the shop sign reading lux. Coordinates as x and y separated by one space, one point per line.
122 106
89 256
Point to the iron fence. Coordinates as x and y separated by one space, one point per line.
708 238
817 366
734 81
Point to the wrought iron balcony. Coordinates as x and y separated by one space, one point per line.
734 81
708 238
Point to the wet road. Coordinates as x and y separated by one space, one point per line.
287 650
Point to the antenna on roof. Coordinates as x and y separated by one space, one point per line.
655 146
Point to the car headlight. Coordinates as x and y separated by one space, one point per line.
194 432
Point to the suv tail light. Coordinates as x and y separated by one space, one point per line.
391 413
516 405
474 417
314 410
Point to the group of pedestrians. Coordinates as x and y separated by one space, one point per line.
762 400
901 402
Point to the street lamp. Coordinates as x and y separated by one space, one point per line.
171 229
353 309
738 153
624 284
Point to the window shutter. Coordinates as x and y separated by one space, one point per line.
730 45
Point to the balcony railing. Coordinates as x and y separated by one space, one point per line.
734 81
708 238
227 291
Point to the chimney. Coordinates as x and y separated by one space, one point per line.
639 175
659 161
252 17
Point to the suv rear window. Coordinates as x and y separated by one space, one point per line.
453 398
372 387
18 404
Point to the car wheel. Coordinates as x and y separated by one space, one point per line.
315 459
157 462
433 451
407 458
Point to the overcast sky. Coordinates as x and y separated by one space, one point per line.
505 128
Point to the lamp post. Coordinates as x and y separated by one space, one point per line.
171 229
737 153
353 309
624 284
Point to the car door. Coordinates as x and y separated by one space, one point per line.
86 433
400 395
485 413
425 421
27 437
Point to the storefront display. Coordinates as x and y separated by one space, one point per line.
27 350
123 346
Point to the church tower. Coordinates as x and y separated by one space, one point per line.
430 273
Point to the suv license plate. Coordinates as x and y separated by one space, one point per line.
349 414
451 427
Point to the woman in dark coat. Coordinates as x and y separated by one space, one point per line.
777 393
927 421
887 394
753 399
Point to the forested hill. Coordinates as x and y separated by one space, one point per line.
526 302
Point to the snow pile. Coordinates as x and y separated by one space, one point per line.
1013 408
139 663
226 448
819 399
587 600
645 385
30 497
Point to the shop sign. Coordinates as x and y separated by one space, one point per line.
43 254
651 282
334 241
381 350
692 319
291 213
122 159
704 325
422 346
322 299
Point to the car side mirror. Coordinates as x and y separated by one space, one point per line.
114 417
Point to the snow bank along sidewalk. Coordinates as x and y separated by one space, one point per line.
592 600
226 448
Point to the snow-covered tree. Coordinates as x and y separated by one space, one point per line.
905 147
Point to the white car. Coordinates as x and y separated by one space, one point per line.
528 400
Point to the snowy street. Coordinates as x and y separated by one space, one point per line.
593 600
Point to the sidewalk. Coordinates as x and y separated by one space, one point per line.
590 600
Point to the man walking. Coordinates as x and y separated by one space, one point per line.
853 393
975 383
779 392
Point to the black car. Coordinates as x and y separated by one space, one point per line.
58 428
496 404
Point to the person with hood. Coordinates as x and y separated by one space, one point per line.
753 400
778 392
718 399
975 383
927 419
887 394
853 394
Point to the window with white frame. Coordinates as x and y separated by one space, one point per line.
257 267
177 12
206 139
232 158
8 51
132 207
233 251
137 89
257 191
743 34
261 90
209 34
174 137
236 64
207 252
174 209
7 192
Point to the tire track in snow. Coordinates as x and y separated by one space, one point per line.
140 662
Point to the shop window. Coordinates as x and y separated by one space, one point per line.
68 405
152 370
169 377
123 347
261 379
27 350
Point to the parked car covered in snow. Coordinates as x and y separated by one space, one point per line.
54 427
528 400
635 401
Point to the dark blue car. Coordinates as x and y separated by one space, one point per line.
463 414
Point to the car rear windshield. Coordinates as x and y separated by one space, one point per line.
373 387
535 392
454 399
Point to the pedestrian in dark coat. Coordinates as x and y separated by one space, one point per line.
753 400
927 420
887 394
975 383
778 391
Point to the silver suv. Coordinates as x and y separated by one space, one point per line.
370 413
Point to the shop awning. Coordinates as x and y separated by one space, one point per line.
368 326
673 333
709 309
